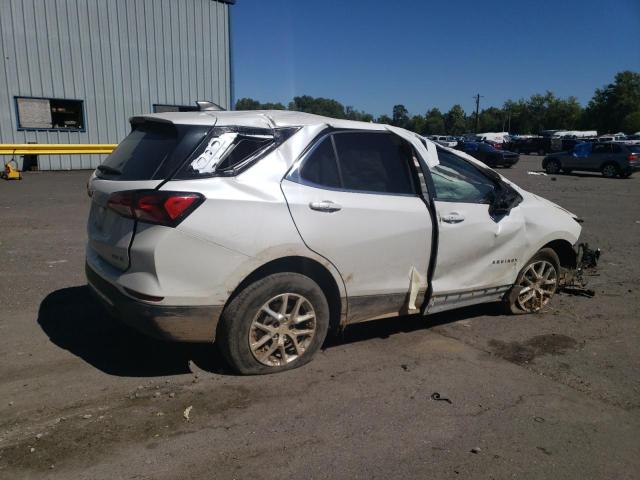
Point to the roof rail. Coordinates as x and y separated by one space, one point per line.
204 105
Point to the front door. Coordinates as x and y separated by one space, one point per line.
355 201
478 255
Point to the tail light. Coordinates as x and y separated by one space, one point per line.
633 157
153 206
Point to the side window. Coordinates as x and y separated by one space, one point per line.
320 166
375 162
616 148
601 148
456 180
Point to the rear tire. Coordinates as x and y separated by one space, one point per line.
535 285
274 324
610 170
552 167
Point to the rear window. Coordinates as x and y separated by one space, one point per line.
152 151
228 151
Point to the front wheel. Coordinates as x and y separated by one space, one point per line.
536 283
552 167
276 323
610 170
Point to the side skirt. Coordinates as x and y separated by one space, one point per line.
449 301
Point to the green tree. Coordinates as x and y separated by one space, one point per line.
613 104
631 122
434 122
353 114
251 104
455 121
384 119
400 116
320 106
492 119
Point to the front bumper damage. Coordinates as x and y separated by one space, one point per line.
573 280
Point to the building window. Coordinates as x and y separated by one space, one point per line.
161 108
36 113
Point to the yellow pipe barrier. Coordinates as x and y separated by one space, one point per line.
55 148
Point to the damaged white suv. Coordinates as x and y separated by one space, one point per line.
262 230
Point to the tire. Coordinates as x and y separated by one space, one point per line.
246 320
552 167
610 170
539 277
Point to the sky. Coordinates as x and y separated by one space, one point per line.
374 54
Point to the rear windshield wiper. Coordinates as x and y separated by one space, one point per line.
109 170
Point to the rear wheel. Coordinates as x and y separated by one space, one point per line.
274 324
610 170
535 285
552 167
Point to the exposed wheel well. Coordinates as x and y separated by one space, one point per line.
304 266
565 253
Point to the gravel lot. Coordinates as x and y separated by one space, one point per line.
554 395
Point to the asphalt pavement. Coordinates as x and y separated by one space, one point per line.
553 395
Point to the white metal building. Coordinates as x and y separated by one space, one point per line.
74 71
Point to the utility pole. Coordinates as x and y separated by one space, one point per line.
477 97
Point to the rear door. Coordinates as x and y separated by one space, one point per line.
600 154
477 253
142 161
355 200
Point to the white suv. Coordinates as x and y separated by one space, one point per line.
262 230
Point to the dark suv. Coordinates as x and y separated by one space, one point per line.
612 159
488 154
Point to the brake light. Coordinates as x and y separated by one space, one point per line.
153 206
633 157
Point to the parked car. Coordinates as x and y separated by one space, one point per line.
444 140
262 230
618 137
612 159
489 154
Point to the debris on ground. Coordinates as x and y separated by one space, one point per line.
587 261
476 450
542 174
87 416
187 412
405 367
437 397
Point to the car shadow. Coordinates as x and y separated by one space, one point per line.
74 320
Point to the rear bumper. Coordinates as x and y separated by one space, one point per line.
165 322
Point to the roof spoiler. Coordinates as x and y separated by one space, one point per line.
206 106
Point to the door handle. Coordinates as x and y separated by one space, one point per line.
325 206
453 217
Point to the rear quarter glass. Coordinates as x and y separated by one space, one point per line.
152 151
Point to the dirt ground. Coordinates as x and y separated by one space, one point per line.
549 396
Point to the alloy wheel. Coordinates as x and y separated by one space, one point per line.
282 329
538 285
609 171
553 167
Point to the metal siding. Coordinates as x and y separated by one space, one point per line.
118 56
